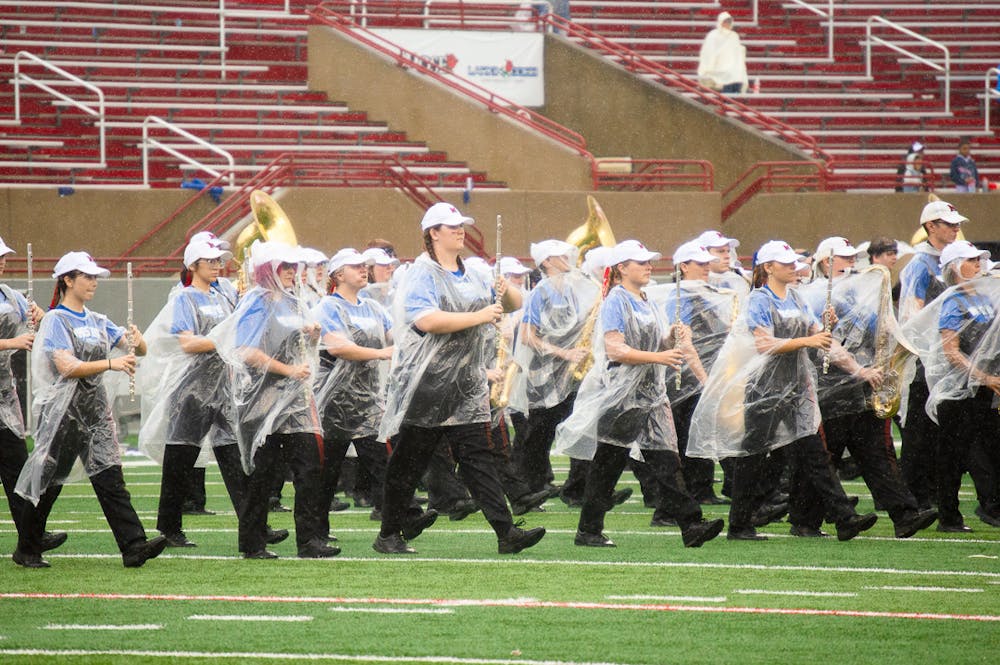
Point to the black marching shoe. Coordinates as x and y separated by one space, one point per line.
138 554
192 509
571 501
712 500
52 540
317 549
769 512
275 536
992 520
260 554
699 533
393 544
518 539
855 524
462 509
584 539
336 505
662 521
178 539
274 506
416 526
29 560
618 497
375 515
954 528
915 521
748 533
528 502
807 532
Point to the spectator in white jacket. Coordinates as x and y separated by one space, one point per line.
722 63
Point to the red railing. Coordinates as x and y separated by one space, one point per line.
43 266
637 175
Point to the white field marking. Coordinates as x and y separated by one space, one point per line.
250 617
943 589
530 604
353 658
106 626
681 599
493 562
983 556
809 594
390 610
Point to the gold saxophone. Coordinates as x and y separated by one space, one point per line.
885 399
581 368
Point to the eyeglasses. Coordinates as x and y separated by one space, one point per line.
214 263
288 266
948 224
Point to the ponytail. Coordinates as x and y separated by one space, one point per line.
60 290
186 276
429 247
759 276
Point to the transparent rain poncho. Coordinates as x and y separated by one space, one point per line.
756 401
968 311
72 416
269 322
380 292
13 323
919 281
708 311
437 380
349 393
620 404
185 396
556 314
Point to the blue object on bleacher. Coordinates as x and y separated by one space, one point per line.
66 191
198 184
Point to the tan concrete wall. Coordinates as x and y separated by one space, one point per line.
623 115
429 112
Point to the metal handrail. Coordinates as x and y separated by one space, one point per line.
828 14
869 40
99 112
990 94
520 4
147 142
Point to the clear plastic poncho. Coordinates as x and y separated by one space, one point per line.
180 391
69 411
758 401
380 292
708 311
919 281
969 310
561 312
349 393
620 404
13 323
269 320
437 380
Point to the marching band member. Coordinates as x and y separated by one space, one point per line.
314 275
723 272
72 412
381 266
761 397
268 344
438 390
623 405
958 336
919 284
355 336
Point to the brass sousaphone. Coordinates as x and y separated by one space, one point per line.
596 230
270 223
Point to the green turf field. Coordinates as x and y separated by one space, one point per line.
932 599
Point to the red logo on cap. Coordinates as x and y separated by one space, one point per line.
452 208
951 208
785 246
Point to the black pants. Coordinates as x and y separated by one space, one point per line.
969 442
301 453
605 470
921 439
869 440
699 474
13 453
178 463
536 467
514 485
814 489
444 487
470 445
195 494
372 455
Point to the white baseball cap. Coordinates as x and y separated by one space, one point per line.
511 266
548 248
347 257
79 261
479 265
632 250
777 250
273 252
962 249
311 257
211 238
4 249
379 257
716 239
443 213
838 246
693 251
941 211
204 250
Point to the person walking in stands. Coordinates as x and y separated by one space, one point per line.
722 61
15 313
438 390
268 343
72 409
964 174
623 404
761 398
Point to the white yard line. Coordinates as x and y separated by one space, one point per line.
942 589
809 594
250 617
390 610
679 599
83 626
